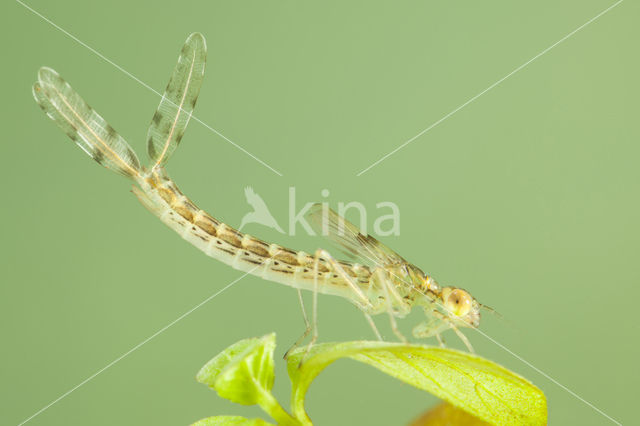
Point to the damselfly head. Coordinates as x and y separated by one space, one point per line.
460 305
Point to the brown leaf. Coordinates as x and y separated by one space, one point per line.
445 414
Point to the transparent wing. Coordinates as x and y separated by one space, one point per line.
83 124
348 237
172 116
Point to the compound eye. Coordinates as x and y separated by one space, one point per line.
459 302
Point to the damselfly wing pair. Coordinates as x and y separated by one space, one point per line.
377 281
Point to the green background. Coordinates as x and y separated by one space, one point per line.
527 197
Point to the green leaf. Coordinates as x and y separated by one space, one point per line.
474 384
244 373
230 421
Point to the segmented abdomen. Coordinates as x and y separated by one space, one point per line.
241 251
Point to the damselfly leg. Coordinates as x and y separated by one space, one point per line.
390 293
307 329
439 323
314 327
372 324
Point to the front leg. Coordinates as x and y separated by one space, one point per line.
431 328
437 325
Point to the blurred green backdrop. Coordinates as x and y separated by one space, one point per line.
528 197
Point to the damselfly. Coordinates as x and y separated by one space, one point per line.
377 281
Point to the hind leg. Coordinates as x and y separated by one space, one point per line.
360 296
306 323
314 324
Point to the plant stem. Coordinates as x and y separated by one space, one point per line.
297 406
272 407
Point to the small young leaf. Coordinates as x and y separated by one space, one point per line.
230 421
242 373
474 384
